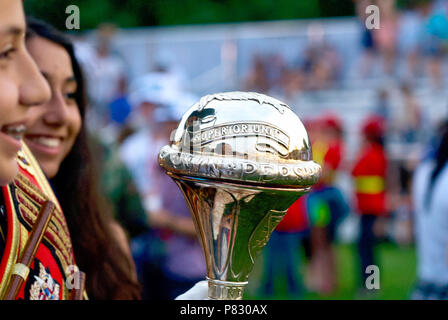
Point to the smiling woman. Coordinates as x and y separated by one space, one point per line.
55 125
21 86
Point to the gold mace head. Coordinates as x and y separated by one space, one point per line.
245 138
241 159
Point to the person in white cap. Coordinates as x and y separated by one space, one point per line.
147 94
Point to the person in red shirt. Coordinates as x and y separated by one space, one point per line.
369 176
282 252
326 205
282 255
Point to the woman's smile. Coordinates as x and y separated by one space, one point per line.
45 143
12 135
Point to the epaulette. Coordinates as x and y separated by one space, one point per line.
54 262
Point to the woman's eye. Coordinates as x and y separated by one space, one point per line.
71 96
7 53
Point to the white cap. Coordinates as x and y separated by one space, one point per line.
156 88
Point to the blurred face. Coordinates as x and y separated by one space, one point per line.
147 110
55 124
21 86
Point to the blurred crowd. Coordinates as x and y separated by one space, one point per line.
131 119
409 44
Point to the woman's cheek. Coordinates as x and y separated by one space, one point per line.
8 105
75 124
9 99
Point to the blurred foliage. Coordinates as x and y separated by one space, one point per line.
412 4
138 13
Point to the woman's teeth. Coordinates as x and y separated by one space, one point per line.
15 131
47 142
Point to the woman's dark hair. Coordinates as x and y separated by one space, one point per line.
441 158
109 270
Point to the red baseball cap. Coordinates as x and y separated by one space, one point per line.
331 121
373 126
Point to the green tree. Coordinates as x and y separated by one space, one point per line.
138 13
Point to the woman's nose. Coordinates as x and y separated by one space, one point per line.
34 89
57 110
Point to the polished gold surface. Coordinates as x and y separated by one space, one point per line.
241 159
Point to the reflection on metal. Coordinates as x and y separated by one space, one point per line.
241 159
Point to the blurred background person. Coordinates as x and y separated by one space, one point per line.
118 186
382 107
147 93
183 262
431 222
386 36
411 123
368 45
410 28
282 254
106 74
434 39
257 78
326 205
369 176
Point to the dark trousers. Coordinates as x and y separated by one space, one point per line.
282 258
366 244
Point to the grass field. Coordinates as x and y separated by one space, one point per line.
397 275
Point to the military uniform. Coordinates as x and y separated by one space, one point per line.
51 272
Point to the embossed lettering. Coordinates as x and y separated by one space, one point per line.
267 171
298 171
284 170
248 167
240 129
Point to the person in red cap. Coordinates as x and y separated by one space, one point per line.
369 175
326 206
